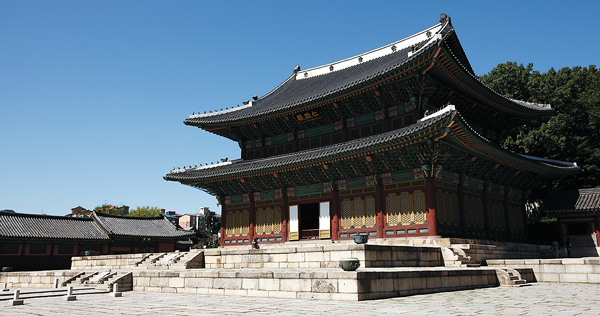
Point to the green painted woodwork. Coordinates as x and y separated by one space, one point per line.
309 189
318 131
447 176
267 195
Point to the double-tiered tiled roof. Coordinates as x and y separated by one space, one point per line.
392 76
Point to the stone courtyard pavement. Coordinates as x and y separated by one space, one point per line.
537 299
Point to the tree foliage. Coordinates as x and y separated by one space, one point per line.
112 209
572 134
145 211
209 227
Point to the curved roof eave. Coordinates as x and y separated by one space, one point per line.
535 109
477 143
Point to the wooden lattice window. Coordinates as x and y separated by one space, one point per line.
229 224
346 222
245 223
237 223
406 212
392 210
455 212
268 220
406 208
516 218
358 213
259 221
419 207
277 220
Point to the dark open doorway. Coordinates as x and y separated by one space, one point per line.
309 221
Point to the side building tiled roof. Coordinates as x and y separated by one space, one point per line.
19 225
158 227
573 201
98 227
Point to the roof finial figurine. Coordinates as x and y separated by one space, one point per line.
444 18
255 97
296 68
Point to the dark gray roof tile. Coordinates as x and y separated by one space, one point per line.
19 225
139 226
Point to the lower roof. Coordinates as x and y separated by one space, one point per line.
446 123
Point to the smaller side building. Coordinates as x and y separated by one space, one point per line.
578 214
38 242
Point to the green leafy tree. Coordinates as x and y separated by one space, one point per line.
112 209
572 134
145 211
209 227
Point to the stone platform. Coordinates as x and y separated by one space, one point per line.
321 284
301 270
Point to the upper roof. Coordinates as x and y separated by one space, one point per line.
98 227
138 226
19 225
574 201
304 87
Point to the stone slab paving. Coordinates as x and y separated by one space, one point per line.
537 299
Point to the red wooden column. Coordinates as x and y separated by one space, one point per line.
252 218
431 205
223 224
285 217
334 212
379 205
597 229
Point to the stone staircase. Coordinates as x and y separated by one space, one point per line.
102 281
189 260
457 256
150 259
510 277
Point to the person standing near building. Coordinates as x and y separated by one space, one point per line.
568 246
555 248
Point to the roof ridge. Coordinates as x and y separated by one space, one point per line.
126 216
375 53
18 214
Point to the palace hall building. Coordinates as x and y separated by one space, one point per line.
401 141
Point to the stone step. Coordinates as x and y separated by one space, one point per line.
472 265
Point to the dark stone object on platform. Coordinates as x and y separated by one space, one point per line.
349 264
361 239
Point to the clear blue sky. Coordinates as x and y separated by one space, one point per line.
93 93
